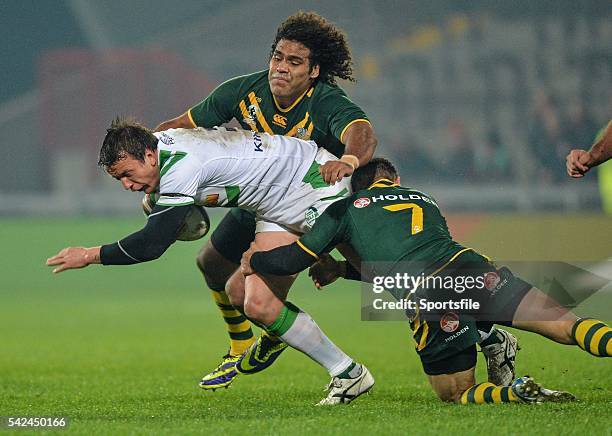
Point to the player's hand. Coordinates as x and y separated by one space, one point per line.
327 270
577 162
245 262
73 258
335 170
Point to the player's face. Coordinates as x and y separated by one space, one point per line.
136 175
290 74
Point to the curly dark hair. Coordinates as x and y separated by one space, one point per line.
328 45
377 168
125 137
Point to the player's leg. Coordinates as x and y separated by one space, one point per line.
497 345
263 303
453 380
540 313
452 376
515 302
218 260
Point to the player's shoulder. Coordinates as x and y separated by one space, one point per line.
332 99
339 208
176 145
324 91
248 81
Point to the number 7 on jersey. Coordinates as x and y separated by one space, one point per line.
416 224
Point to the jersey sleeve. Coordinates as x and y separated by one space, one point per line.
330 229
217 108
180 177
338 112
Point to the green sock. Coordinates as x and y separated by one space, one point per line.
284 321
353 370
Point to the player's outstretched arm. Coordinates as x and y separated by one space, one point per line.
74 258
360 142
579 162
147 244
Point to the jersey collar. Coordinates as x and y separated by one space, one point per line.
308 91
383 183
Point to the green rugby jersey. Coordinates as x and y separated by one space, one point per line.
386 224
322 113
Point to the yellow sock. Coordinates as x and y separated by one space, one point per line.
488 393
238 327
593 336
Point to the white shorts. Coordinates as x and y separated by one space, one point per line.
299 209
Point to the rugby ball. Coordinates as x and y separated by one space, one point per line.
197 222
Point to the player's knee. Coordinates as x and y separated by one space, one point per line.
450 395
261 308
255 308
234 288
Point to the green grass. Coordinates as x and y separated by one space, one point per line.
120 350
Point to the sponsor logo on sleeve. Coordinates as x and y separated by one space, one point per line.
491 280
449 322
166 139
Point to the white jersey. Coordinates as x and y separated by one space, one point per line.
277 177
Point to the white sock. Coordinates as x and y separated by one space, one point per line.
306 336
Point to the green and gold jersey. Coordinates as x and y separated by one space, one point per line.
322 113
385 224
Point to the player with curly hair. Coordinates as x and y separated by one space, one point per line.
296 96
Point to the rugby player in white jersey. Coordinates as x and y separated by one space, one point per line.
276 177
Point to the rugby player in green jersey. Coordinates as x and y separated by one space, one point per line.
296 96
395 229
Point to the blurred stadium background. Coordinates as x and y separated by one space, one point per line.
477 101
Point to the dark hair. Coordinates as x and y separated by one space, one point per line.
328 46
125 137
377 168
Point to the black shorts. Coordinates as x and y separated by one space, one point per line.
460 361
443 338
471 286
234 234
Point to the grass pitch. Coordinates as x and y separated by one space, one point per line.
120 350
